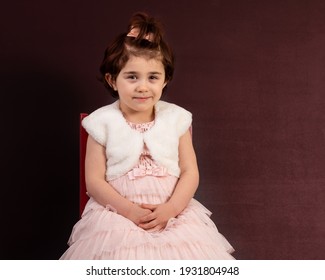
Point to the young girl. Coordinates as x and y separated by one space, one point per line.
141 169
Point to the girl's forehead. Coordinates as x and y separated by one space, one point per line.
143 62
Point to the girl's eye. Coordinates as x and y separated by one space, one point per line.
132 77
153 77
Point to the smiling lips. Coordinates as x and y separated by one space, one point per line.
142 99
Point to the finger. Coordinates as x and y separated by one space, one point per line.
156 229
149 206
147 226
148 218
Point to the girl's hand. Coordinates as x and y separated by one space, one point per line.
158 219
136 213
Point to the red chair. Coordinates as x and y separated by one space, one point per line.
83 136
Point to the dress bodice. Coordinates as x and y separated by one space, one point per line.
146 165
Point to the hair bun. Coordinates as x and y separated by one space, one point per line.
146 27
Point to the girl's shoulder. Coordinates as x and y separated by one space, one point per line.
167 107
173 116
97 122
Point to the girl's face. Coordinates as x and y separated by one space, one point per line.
140 84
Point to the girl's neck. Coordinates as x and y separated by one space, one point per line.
139 117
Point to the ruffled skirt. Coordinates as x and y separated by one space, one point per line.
101 233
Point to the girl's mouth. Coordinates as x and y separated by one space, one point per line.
142 99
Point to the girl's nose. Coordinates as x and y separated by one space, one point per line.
142 86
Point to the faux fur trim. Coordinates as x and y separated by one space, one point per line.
124 145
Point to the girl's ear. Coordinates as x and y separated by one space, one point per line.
109 79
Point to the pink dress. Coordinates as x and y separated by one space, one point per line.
101 233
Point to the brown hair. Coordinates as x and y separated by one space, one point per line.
119 51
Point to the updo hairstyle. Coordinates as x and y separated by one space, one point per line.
143 39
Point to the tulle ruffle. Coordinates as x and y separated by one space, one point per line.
101 233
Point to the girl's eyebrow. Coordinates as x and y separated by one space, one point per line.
155 73
129 72
134 72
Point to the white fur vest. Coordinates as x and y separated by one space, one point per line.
124 145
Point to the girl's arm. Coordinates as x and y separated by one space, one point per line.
101 190
184 190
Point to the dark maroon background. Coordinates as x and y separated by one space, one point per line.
251 71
